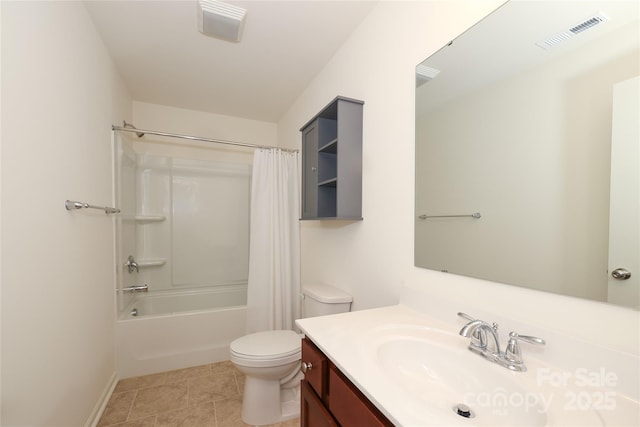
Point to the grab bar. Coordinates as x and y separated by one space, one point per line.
473 215
136 288
70 204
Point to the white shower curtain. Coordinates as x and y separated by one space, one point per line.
273 300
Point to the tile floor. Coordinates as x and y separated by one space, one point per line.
202 396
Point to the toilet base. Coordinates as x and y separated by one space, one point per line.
265 402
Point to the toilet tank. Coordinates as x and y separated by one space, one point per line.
320 300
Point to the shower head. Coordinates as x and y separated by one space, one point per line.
130 126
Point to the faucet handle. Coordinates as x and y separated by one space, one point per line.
131 264
528 338
466 316
512 353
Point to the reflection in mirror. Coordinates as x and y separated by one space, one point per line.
514 121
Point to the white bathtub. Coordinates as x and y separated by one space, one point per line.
174 330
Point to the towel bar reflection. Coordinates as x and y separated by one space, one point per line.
70 204
473 215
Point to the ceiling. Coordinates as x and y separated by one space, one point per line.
477 57
165 60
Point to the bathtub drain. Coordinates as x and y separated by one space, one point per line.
134 312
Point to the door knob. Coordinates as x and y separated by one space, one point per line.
620 274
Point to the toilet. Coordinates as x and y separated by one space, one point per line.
270 360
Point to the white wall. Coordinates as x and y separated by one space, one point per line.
197 123
60 94
372 259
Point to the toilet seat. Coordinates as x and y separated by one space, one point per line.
268 348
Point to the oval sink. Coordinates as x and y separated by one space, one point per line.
437 371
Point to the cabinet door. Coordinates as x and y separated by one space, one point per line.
313 413
310 171
316 373
349 406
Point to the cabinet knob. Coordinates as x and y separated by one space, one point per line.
306 366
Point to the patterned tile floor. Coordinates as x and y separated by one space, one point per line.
202 396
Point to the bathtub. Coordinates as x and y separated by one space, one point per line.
174 330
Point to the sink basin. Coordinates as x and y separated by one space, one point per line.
437 373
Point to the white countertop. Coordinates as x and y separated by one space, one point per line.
350 341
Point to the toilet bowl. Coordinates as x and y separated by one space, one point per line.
270 361
267 359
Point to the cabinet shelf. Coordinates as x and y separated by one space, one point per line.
331 182
144 263
330 147
150 218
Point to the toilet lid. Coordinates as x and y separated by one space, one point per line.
268 344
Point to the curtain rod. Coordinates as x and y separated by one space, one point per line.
199 138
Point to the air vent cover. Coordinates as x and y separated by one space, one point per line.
221 20
586 24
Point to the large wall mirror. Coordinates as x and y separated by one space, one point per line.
527 158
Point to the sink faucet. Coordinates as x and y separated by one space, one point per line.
480 331
485 342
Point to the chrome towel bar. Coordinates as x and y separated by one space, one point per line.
473 215
70 204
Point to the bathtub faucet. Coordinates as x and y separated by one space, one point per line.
136 288
131 264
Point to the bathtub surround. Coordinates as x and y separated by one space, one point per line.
185 215
274 245
185 220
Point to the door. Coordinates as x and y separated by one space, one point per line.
310 171
624 214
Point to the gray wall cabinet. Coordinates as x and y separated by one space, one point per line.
332 162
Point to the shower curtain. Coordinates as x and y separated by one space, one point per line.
273 300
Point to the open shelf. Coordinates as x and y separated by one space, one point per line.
330 147
150 218
144 263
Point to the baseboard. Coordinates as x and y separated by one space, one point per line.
98 410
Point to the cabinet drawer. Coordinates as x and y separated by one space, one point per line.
349 406
316 372
313 412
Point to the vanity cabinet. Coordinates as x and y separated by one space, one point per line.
332 162
330 399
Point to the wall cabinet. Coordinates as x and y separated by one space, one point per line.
332 162
328 397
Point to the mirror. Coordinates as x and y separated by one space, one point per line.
514 149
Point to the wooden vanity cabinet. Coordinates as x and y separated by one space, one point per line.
313 413
330 399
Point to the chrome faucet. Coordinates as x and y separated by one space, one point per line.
131 264
485 342
480 331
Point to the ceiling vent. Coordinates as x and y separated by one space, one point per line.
220 20
588 23
424 74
